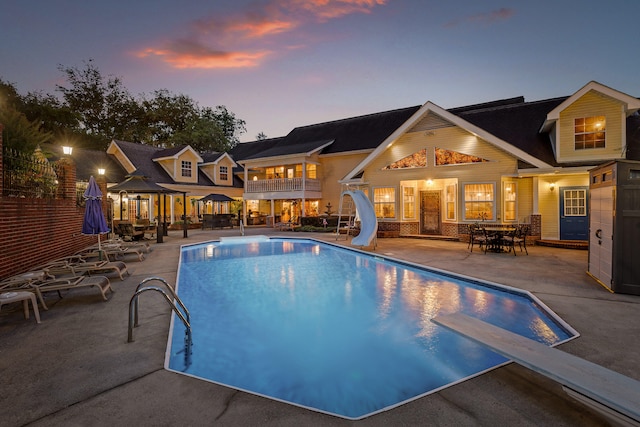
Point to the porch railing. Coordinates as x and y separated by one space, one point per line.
282 184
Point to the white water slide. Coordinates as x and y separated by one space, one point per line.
368 220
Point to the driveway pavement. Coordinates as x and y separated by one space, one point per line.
77 369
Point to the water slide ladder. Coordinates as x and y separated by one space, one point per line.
346 216
182 315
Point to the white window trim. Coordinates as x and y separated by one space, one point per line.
395 202
455 202
464 200
414 188
504 201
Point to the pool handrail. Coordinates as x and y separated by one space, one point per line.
133 306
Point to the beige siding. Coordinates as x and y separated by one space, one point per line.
331 170
589 105
499 163
549 201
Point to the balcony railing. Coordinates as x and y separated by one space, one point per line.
282 184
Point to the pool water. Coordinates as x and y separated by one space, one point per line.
336 330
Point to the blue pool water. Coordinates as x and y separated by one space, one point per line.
336 330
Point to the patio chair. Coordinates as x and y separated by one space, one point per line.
479 236
520 238
102 283
287 225
517 237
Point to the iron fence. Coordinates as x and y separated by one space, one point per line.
29 175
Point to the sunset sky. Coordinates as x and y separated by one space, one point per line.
278 64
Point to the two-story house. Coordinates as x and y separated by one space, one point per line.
180 170
429 170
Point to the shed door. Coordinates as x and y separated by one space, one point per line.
430 212
574 219
601 234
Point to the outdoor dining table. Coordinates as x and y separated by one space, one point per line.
497 233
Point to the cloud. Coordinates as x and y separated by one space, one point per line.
484 18
248 39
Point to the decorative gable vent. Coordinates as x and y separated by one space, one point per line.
431 122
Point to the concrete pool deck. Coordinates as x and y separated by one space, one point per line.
77 369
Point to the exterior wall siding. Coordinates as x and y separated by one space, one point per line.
549 201
591 104
453 138
331 170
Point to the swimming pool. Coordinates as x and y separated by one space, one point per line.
337 330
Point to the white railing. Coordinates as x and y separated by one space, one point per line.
282 184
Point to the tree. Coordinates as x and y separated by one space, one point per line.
230 125
261 136
167 114
104 107
19 133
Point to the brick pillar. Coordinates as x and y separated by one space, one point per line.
67 182
536 226
101 180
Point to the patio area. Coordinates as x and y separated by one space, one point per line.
76 367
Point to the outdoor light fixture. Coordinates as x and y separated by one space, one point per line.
101 171
552 186
67 150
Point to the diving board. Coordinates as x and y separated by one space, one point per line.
614 394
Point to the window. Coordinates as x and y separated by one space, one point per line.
575 202
311 171
224 173
186 168
510 211
450 201
299 171
448 157
270 173
409 202
479 202
415 160
384 201
590 132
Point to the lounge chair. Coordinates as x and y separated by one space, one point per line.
102 267
101 282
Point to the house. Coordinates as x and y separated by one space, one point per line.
433 171
427 170
181 170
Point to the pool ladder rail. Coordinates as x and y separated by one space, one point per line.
182 315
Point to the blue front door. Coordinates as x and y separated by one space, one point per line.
574 219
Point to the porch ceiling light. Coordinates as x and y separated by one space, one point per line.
101 171
67 150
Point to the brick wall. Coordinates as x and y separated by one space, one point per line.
33 231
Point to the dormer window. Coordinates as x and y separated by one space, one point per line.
186 168
224 173
590 132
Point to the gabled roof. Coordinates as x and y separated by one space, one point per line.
339 136
215 157
142 157
305 148
631 104
175 152
518 123
456 120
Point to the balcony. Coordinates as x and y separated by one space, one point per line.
282 184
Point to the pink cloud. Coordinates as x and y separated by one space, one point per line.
246 40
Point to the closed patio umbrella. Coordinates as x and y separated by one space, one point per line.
94 222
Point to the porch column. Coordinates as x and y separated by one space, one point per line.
171 214
536 195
